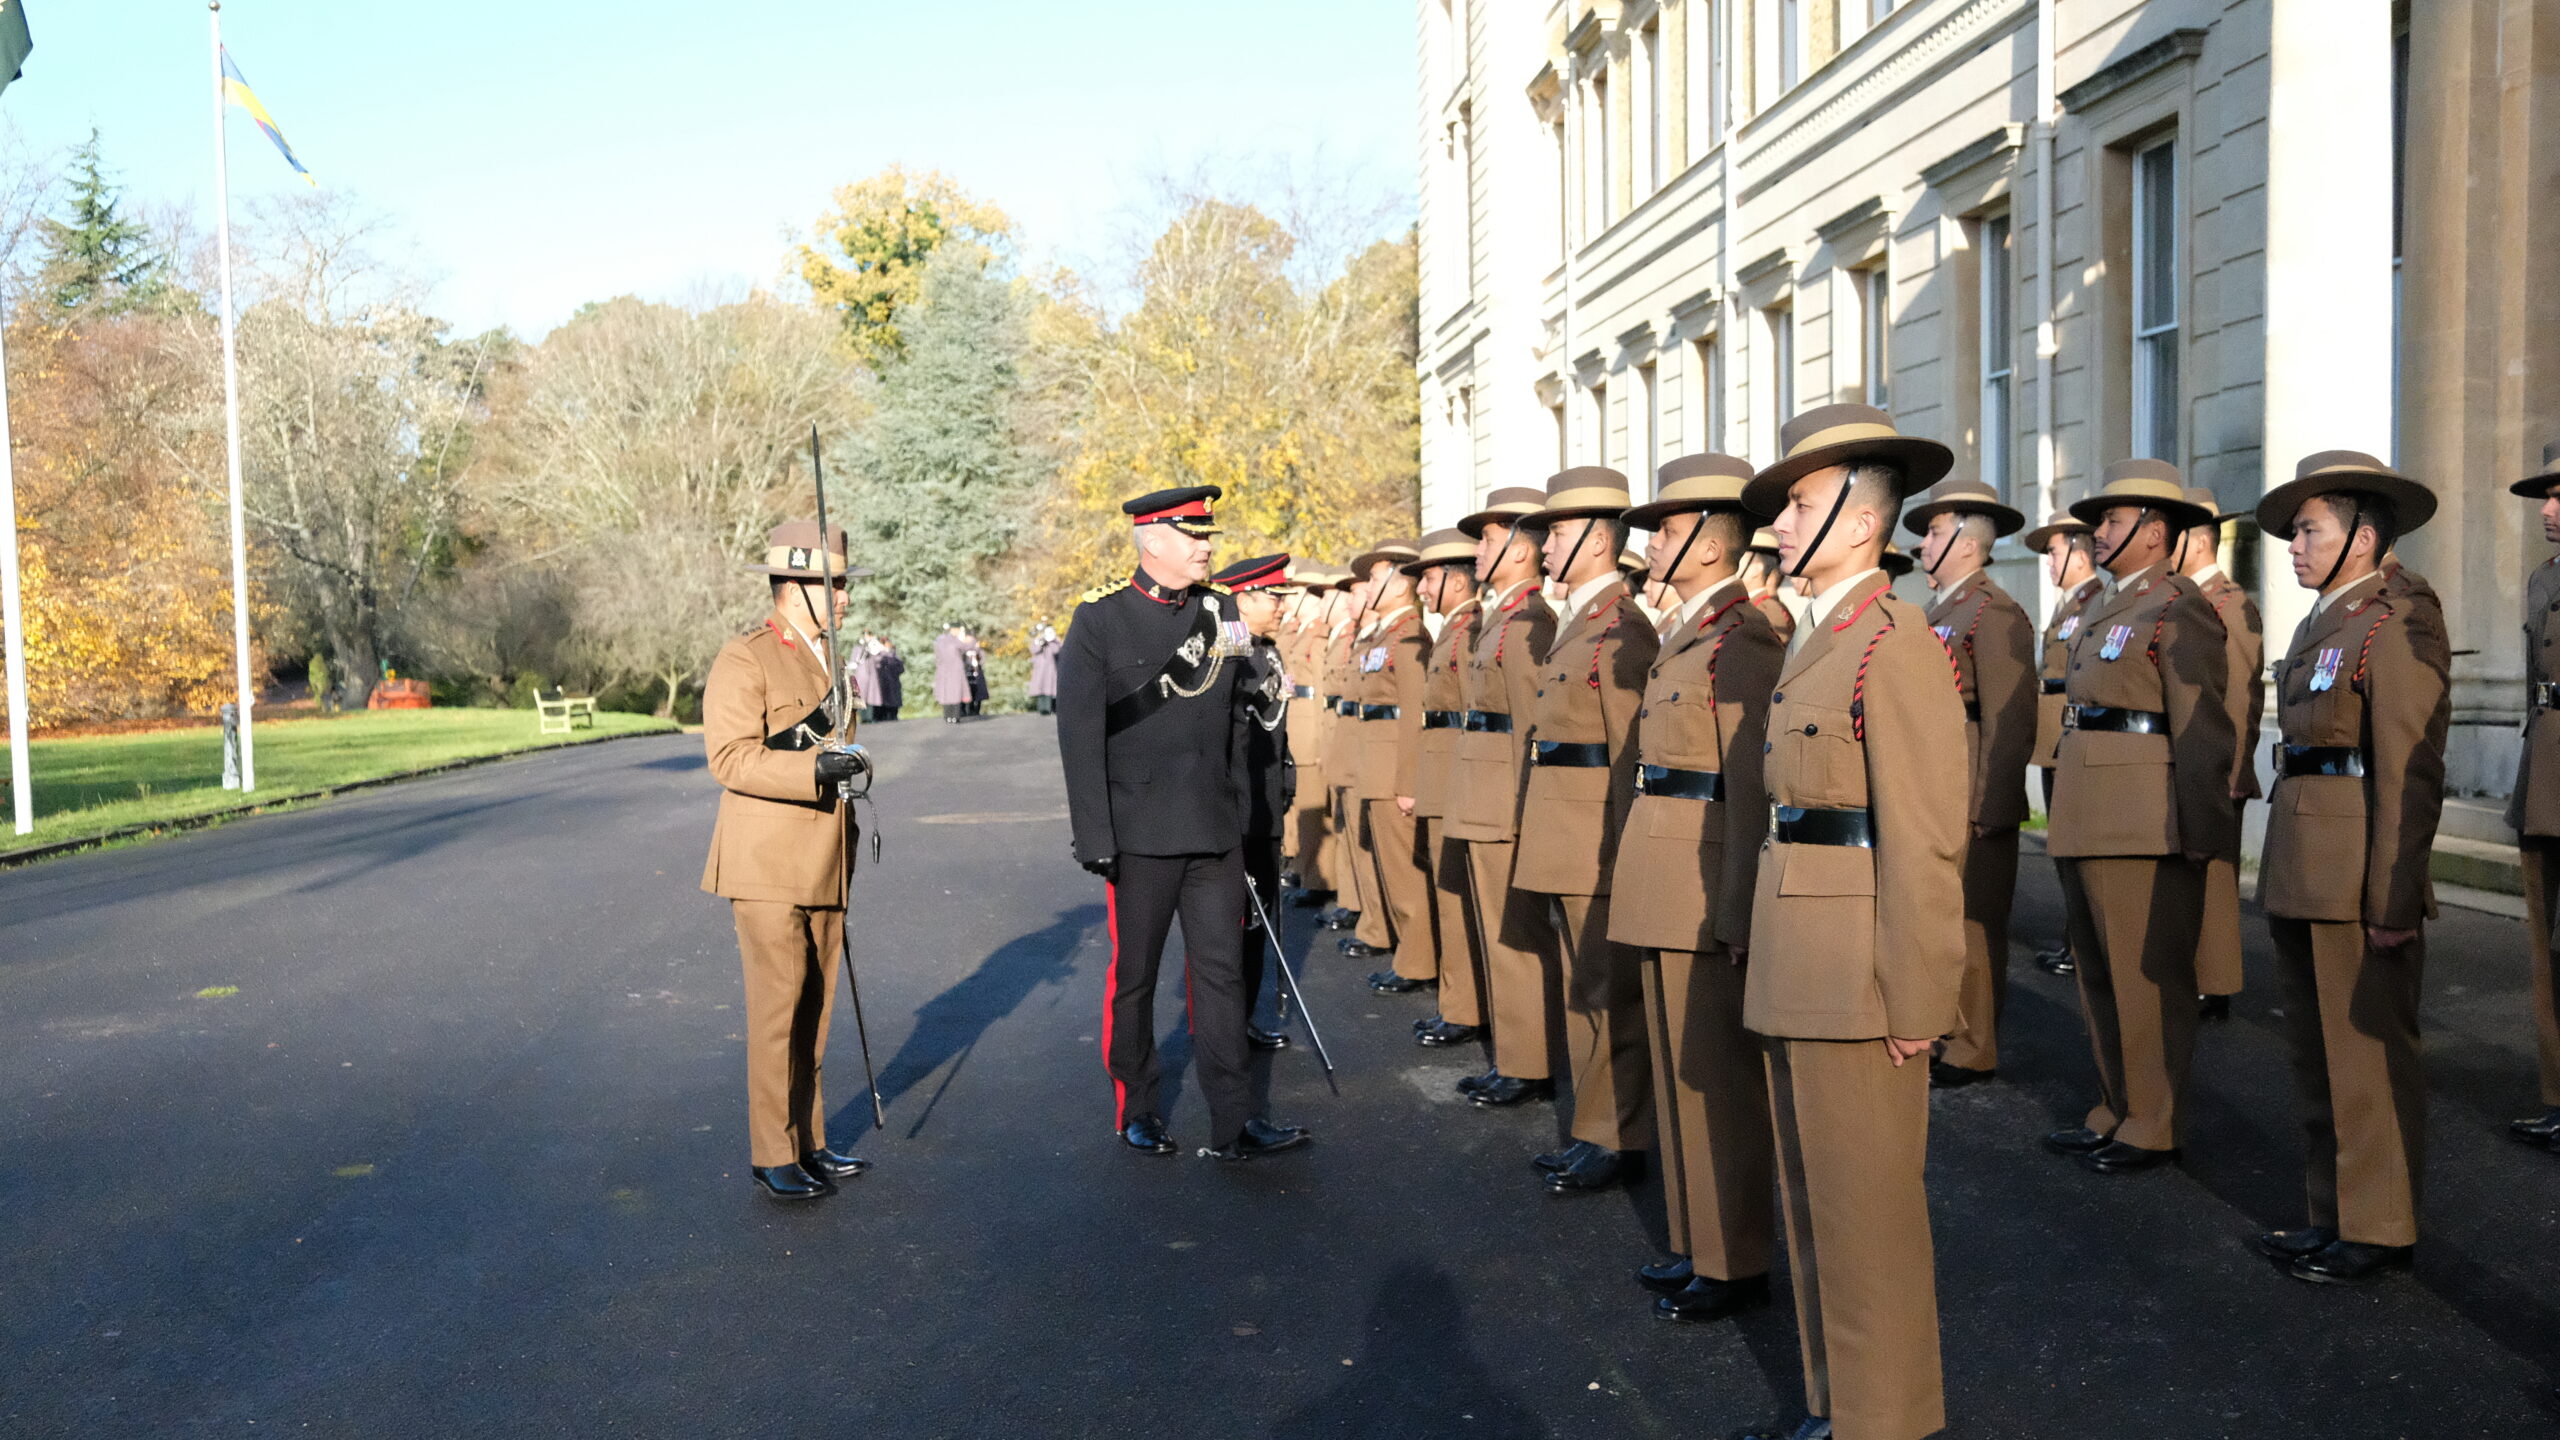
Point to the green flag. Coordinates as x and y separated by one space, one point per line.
14 43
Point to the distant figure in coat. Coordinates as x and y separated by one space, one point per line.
1045 645
863 668
892 668
975 656
951 672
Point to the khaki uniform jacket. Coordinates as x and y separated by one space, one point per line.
2360 676
1590 685
2534 808
1444 694
1782 621
2147 794
1993 644
1302 655
776 837
1392 663
2244 643
1686 869
2055 666
1850 942
1341 753
1489 776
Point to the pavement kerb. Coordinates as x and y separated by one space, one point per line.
11 859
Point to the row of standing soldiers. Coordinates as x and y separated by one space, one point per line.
1717 870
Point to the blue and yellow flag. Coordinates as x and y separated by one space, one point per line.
236 86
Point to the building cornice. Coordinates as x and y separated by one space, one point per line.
1990 147
2173 48
1776 262
1848 221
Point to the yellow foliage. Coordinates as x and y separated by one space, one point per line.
867 257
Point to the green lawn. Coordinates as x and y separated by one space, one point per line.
92 785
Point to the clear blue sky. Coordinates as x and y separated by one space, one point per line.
541 153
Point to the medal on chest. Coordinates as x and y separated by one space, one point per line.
2069 628
1946 635
1234 640
2324 670
2113 646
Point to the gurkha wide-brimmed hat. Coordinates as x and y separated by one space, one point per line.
1442 547
1840 435
1508 506
2057 523
1893 562
792 552
1633 565
1185 509
1692 482
1580 491
1262 572
2198 495
1963 497
2346 472
1394 552
2538 487
1764 541
2150 484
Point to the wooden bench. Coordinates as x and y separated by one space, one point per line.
567 713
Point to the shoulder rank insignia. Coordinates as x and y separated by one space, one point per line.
2114 644
1099 591
2324 671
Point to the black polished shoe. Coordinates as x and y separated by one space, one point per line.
1288 880
1339 919
1555 1160
1445 1034
1597 1170
1704 1300
2117 1158
1943 1076
1811 1427
2212 1008
1261 1039
2537 1131
2287 1246
1310 899
1427 1022
1146 1133
829 1166
2057 960
1388 982
2078 1140
789 1182
1359 949
1667 1277
2347 1262
1503 1091
1260 1138
1470 1084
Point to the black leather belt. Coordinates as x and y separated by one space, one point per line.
1568 756
1380 712
1973 709
1302 692
1339 705
1443 719
2546 695
2319 760
1795 825
1488 722
1679 784
2107 717
2055 687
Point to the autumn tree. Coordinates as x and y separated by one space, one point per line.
96 258
867 257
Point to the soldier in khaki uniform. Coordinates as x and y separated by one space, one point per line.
1522 953
2244 644
2534 809
1445 576
1302 637
1857 931
1392 662
1993 643
1688 859
1342 750
2072 571
1760 578
1582 770
778 851
2364 699
2141 800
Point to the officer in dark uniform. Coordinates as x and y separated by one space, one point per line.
1151 727
1262 587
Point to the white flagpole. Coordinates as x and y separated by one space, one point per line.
231 409
13 619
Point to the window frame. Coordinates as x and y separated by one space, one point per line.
1996 347
2157 429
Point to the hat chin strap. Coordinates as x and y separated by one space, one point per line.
1588 523
2344 546
1671 572
2141 517
1838 503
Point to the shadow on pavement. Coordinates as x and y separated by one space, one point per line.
949 1025
1416 1373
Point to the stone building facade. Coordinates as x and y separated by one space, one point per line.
2051 233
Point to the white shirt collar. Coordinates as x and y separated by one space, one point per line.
1810 612
1690 607
2132 581
2321 605
2206 573
1379 625
1580 597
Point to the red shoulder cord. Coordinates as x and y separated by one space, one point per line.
2364 656
1602 642
1858 691
1502 632
1716 653
1458 627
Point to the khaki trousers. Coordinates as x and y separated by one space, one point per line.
1990 886
2352 1015
2541 881
1523 964
1711 1104
1461 958
1336 856
1604 1030
1353 817
1853 1143
790 954
1399 875
2133 926
2218 943
1310 832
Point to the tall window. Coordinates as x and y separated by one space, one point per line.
1467 200
2155 302
1706 413
1706 86
1564 449
1872 291
1878 9
1782 366
1600 423
1657 149
1607 193
1647 411
1790 43
1564 192
1998 365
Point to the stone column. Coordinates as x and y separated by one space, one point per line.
2328 256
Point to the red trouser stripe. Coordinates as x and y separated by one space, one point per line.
1110 999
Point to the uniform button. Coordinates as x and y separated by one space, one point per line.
1641 714
1813 729
1780 698
1765 747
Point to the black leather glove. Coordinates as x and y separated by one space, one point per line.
838 766
1108 867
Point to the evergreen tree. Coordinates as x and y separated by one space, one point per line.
98 260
